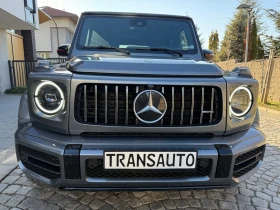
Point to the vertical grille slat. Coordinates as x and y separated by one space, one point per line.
172 107
112 105
137 91
202 106
116 104
106 104
126 105
95 99
85 103
182 106
162 91
192 106
212 101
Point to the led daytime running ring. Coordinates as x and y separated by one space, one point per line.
37 102
249 106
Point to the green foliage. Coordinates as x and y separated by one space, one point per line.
15 90
275 16
260 50
225 51
270 41
234 43
233 46
253 45
214 42
201 40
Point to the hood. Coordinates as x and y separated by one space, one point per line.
127 65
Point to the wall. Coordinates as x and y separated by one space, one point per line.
46 36
258 70
4 70
17 11
29 44
12 15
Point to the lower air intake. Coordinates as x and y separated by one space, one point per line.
247 161
40 162
95 170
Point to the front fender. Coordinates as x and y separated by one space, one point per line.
256 123
23 111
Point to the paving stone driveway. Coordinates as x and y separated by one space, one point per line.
262 191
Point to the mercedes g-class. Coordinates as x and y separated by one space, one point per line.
138 105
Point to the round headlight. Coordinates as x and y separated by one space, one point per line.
49 97
240 101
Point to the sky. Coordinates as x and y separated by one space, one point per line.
209 15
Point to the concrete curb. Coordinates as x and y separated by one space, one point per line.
265 109
6 170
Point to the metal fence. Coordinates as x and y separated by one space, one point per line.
19 70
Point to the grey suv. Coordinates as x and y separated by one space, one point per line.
138 105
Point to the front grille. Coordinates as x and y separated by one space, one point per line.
248 161
113 105
40 162
95 170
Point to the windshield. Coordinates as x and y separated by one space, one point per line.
132 33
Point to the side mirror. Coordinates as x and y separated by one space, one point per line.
63 50
208 55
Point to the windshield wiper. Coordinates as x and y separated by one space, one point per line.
162 49
107 47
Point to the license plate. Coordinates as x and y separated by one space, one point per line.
150 160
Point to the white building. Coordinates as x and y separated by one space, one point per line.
55 32
18 19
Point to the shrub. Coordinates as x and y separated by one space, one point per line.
15 90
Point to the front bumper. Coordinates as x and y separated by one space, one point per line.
71 166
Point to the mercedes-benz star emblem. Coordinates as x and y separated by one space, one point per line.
149 106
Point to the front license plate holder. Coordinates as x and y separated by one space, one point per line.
188 157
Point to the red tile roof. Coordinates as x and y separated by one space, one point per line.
60 13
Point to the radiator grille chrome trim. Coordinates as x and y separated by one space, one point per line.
182 106
85 103
126 105
172 107
202 106
116 104
106 104
95 100
113 105
212 101
137 91
192 106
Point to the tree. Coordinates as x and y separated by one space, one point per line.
260 50
234 38
253 45
214 42
225 51
234 42
270 41
201 40
275 16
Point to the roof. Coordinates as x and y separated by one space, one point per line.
60 13
136 14
43 17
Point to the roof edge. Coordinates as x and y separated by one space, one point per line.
135 14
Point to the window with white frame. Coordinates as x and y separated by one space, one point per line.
30 10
